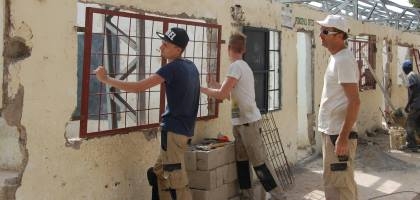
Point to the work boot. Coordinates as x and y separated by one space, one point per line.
277 194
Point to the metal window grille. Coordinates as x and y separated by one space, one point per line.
263 56
274 81
126 45
363 48
275 152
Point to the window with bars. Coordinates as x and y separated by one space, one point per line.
126 44
364 49
263 56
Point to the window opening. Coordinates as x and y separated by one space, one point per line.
363 48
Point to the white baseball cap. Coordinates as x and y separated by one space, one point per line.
336 21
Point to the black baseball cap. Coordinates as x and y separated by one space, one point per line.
176 36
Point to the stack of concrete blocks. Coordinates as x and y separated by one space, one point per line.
212 174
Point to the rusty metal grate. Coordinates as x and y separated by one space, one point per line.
363 49
275 151
126 45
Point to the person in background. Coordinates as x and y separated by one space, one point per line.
413 106
338 111
239 86
168 177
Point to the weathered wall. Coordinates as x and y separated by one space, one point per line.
114 167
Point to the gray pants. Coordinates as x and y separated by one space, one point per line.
412 128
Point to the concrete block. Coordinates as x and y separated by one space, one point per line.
203 180
232 189
190 160
208 160
220 174
231 173
230 153
216 194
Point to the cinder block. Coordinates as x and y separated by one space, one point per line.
203 180
208 160
232 189
190 160
231 173
216 194
220 175
230 153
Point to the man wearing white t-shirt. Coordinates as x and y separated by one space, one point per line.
249 147
338 111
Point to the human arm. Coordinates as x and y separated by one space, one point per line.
224 91
352 93
134 87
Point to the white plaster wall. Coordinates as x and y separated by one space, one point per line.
114 167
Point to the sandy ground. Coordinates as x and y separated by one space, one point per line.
395 175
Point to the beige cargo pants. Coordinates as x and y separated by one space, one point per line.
170 168
249 146
339 183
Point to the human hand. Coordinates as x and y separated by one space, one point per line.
101 73
342 146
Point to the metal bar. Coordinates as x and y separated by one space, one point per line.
140 65
84 105
152 18
126 38
123 104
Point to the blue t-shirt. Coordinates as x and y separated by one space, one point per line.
182 93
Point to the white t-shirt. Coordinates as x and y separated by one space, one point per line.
244 107
342 68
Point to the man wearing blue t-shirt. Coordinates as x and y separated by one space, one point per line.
168 177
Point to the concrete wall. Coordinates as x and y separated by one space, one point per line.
114 167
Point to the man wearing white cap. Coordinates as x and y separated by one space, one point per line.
338 111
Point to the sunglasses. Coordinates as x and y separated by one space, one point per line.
327 32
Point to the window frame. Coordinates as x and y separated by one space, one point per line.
267 70
84 105
366 79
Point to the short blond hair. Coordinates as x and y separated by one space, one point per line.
237 42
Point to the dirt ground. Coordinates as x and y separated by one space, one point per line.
380 173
